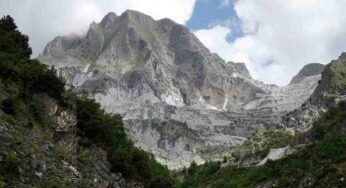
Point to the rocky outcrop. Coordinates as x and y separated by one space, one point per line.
331 90
97 173
150 70
308 70
278 153
48 154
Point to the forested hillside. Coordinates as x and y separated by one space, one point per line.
50 135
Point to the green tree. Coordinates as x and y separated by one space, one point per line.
7 23
8 27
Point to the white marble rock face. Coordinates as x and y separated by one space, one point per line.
179 101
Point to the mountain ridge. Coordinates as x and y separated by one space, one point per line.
308 70
145 70
53 134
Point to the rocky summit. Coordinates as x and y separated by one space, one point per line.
179 101
329 92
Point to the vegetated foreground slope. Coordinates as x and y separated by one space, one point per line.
54 137
156 73
321 163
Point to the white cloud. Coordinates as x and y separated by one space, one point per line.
42 20
83 14
282 36
178 10
215 39
225 3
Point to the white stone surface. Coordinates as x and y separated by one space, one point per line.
275 154
145 70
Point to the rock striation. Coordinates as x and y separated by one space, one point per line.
308 70
48 156
331 90
179 101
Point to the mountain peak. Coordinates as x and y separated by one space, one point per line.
109 18
343 55
146 69
130 11
308 70
131 14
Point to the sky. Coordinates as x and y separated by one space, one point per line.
274 38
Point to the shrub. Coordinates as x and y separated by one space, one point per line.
61 151
161 182
84 155
192 169
10 164
7 105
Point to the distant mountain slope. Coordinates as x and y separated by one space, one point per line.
320 163
308 70
157 71
331 89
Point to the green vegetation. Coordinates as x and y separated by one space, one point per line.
261 142
61 151
23 81
107 131
172 130
10 163
340 72
84 155
319 164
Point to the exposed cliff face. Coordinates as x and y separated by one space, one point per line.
46 155
317 164
307 71
158 71
331 89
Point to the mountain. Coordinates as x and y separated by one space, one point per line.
54 137
331 90
321 163
313 156
308 70
179 101
38 141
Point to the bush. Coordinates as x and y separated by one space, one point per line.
47 82
84 155
9 167
192 169
61 151
8 106
161 182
